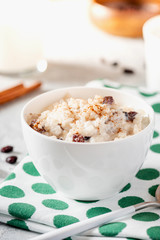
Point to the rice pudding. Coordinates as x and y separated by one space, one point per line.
98 119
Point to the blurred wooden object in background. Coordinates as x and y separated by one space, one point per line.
123 17
17 91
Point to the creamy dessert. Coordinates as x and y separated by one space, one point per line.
97 119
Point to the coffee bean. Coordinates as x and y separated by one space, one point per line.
7 149
115 64
11 159
128 71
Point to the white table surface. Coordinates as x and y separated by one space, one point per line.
77 54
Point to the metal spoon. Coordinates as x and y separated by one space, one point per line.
88 224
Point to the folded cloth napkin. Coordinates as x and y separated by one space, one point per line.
28 202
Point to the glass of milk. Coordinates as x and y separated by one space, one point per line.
21 42
151 34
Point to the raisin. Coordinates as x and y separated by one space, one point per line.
128 71
115 64
86 138
108 100
11 159
78 138
130 116
60 138
7 149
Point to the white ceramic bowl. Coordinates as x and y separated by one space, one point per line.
87 171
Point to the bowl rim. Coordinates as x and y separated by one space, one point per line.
150 125
122 11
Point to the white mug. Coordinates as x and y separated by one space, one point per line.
151 34
21 40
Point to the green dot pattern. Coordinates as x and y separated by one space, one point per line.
155 148
11 192
55 204
145 94
92 212
64 220
112 229
18 223
114 87
30 169
154 232
28 202
127 187
148 174
155 134
129 201
146 216
21 210
152 190
43 188
10 177
156 107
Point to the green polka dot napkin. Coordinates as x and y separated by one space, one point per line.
28 202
